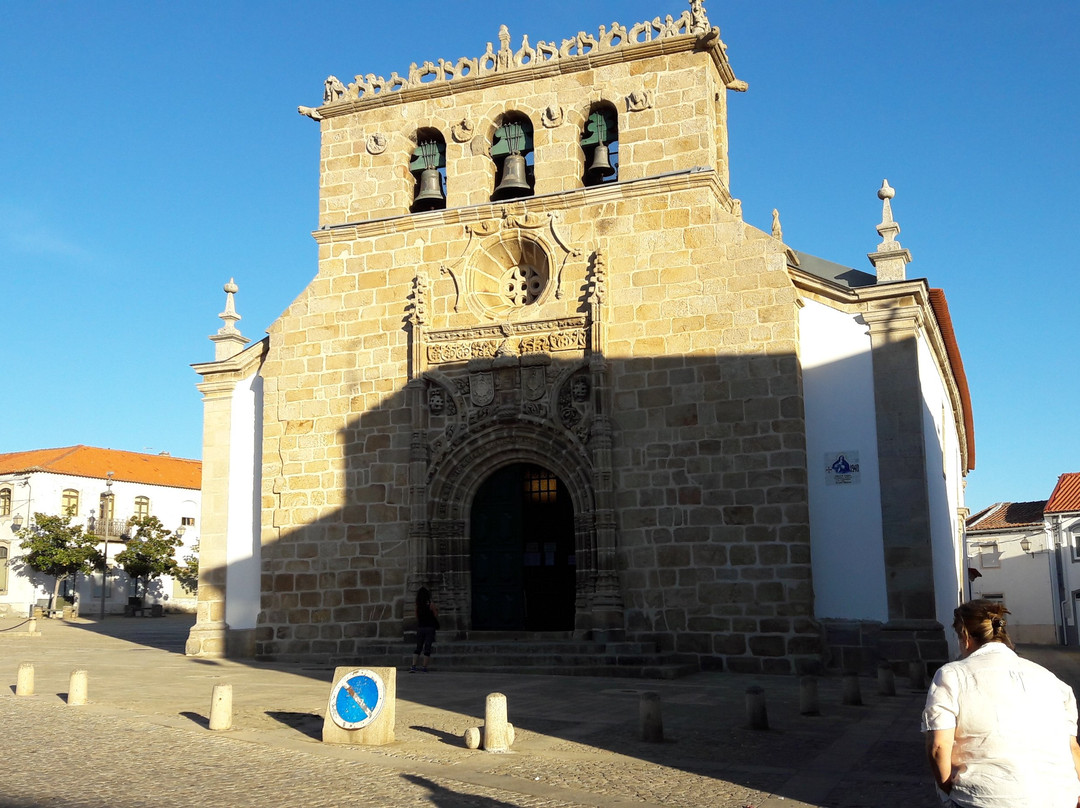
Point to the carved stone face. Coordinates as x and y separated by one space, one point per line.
579 387
436 400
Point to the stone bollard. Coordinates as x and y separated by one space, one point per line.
652 721
496 734
24 685
757 716
472 738
77 686
886 680
808 696
852 695
221 708
31 626
917 674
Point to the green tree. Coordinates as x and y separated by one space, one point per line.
188 572
150 553
55 547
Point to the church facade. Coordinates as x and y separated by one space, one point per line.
546 370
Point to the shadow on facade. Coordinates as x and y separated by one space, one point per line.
689 527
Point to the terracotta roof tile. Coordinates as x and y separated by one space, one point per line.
1006 515
1066 494
88 461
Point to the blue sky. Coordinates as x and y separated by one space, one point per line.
151 151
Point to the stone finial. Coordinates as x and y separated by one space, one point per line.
890 260
228 341
777 231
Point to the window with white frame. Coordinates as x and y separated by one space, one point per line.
142 507
989 557
1074 540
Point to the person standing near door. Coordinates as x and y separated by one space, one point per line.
427 621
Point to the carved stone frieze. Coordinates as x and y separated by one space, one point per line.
513 339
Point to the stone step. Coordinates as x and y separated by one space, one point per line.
531 655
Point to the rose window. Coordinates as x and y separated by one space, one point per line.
506 274
522 285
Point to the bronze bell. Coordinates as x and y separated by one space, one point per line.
431 195
514 181
601 164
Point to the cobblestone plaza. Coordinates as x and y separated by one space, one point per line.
143 737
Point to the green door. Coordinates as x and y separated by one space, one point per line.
523 559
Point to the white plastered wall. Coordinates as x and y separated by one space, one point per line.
244 522
845 520
944 480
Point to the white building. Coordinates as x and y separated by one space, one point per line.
1009 559
1062 519
101 489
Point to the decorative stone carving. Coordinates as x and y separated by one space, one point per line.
376 143
638 100
436 400
482 388
692 22
568 413
418 313
552 116
580 388
516 339
462 130
533 382
333 90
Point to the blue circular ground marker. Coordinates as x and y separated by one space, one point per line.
357 699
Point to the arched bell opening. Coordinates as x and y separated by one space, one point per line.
523 556
600 145
512 153
428 167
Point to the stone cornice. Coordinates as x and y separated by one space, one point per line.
597 195
687 33
220 378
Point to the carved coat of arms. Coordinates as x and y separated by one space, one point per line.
533 382
482 389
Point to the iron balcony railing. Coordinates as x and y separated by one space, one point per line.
111 528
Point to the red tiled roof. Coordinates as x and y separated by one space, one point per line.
87 461
1006 515
944 319
1066 494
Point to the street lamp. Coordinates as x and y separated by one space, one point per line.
106 518
1025 545
17 522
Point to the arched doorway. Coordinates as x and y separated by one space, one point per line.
523 559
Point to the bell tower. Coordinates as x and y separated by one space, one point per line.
542 347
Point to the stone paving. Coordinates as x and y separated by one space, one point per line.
144 740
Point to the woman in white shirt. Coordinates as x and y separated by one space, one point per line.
1000 730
